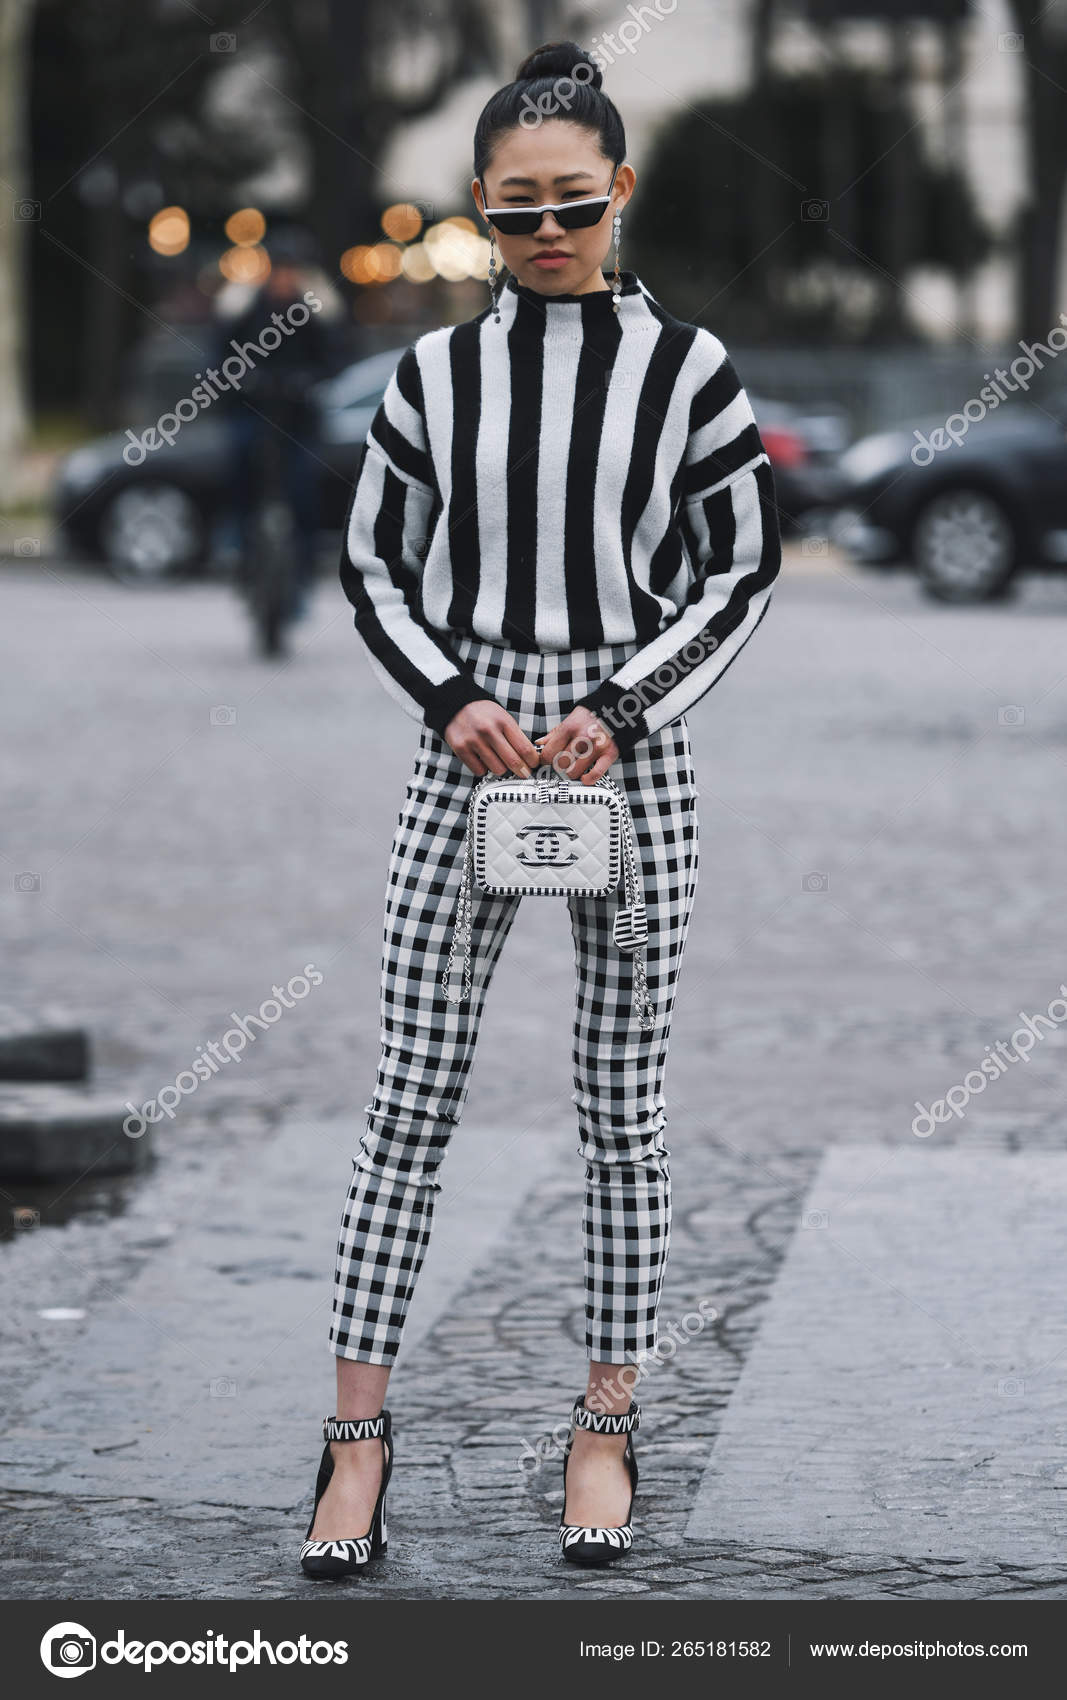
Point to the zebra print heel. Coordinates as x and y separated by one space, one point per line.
580 1543
325 1560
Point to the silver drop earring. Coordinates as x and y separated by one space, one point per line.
616 281
492 276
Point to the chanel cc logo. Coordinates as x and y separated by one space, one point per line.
544 846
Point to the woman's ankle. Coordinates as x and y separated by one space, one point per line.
361 1388
610 1389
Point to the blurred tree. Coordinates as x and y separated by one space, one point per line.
14 16
358 72
122 125
1039 38
814 249
1043 34
143 103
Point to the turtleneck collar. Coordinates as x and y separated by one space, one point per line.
520 304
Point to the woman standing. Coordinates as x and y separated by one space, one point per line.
563 528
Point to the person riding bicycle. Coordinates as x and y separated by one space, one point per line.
273 419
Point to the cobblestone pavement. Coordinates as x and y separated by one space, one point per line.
881 786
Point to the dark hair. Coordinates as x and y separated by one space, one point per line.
572 79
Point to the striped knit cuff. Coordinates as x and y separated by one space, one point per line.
616 707
446 700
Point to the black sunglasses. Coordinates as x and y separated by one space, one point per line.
571 215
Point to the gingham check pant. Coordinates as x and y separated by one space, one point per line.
427 1043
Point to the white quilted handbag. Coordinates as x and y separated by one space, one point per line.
549 836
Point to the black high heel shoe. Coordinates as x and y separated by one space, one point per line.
329 1560
591 1545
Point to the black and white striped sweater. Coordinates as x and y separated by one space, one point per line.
568 478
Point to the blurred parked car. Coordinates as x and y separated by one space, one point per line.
165 514
975 512
162 516
804 449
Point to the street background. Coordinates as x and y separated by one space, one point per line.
865 204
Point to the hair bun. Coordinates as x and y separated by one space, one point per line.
560 59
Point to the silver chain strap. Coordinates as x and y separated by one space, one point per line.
636 909
464 907
462 927
636 929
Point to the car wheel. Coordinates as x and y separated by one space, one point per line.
964 547
150 531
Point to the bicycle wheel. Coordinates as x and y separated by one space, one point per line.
270 579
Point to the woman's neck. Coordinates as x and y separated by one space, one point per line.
596 301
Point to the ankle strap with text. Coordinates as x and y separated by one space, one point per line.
604 1422
353 1428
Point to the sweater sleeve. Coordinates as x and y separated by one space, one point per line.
386 532
729 527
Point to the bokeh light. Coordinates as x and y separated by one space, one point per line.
416 263
245 265
355 266
402 222
379 262
168 231
246 227
456 250
388 259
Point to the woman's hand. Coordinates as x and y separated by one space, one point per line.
580 747
486 738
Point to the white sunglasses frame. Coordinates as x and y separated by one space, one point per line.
553 206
